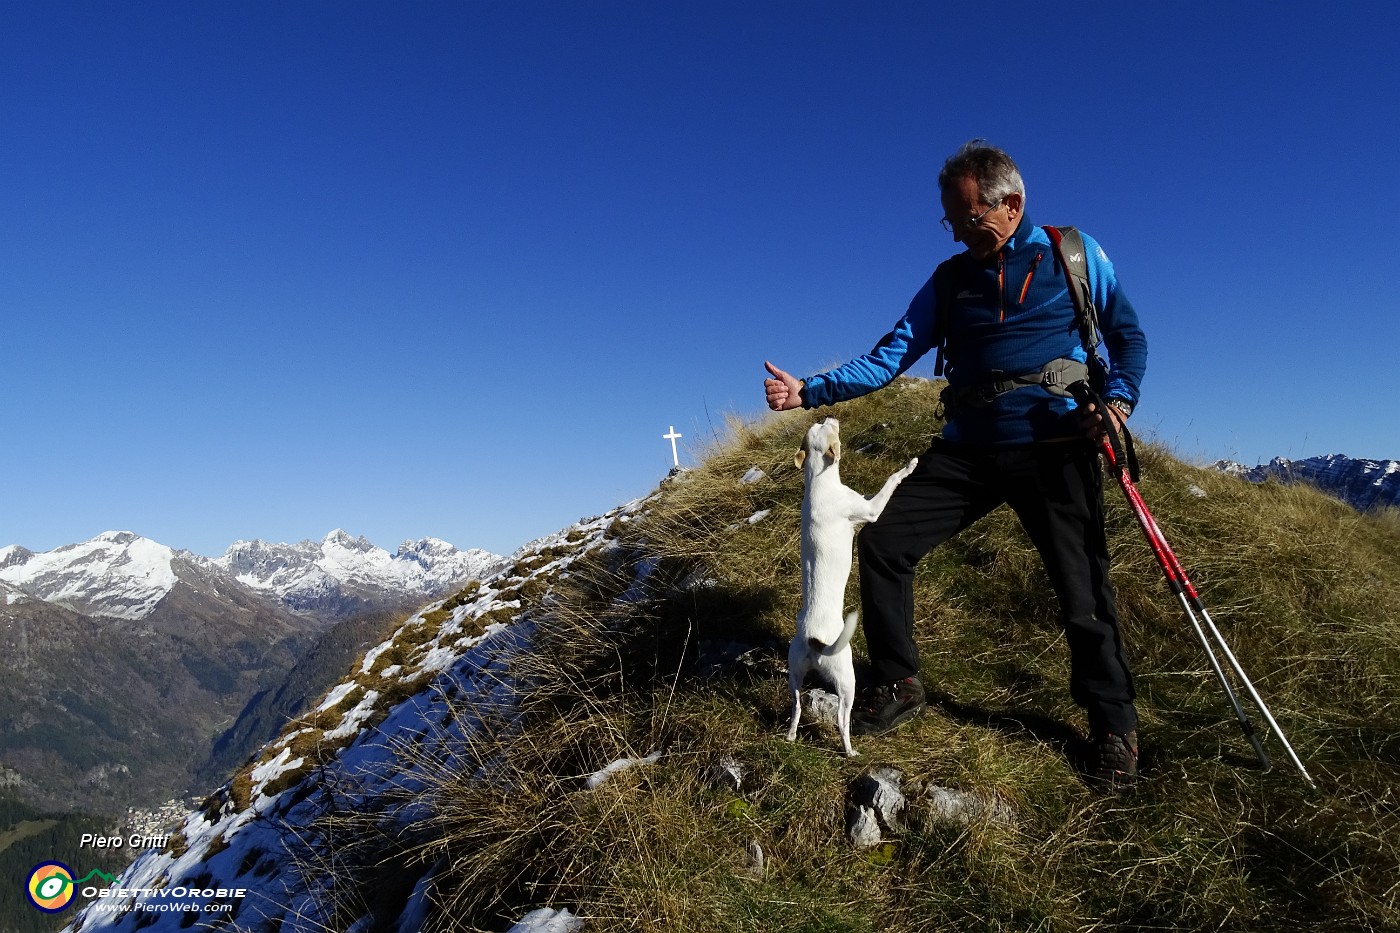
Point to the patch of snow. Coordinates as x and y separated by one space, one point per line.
335 696
598 778
373 654
548 920
757 517
752 476
269 770
356 717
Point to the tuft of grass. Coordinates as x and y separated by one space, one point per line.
1306 591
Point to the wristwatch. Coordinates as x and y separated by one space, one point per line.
1121 405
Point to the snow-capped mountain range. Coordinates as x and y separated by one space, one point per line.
121 575
1364 484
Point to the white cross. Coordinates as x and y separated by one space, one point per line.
675 457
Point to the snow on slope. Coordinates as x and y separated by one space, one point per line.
265 845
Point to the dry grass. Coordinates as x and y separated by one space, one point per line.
1306 591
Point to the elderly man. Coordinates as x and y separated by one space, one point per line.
1000 309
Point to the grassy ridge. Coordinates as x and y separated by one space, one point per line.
1306 591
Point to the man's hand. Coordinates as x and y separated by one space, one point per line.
783 391
1092 423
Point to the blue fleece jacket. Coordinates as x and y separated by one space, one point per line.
1008 315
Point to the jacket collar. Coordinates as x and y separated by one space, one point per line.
1022 234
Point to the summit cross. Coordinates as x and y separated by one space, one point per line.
675 457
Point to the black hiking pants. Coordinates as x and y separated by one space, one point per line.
1056 489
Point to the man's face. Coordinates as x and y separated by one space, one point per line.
962 204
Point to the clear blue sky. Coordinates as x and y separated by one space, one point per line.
453 269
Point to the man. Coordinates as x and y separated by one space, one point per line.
1000 309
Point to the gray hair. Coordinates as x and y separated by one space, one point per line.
996 175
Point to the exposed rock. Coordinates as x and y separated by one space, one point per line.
877 805
820 706
755 862
880 791
963 808
725 772
863 828
874 804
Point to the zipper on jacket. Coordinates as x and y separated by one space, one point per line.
1026 286
1001 285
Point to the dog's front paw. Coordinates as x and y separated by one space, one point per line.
904 473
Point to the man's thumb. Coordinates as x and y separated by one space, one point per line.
775 371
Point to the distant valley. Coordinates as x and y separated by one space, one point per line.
134 672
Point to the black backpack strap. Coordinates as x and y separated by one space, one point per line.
1069 251
944 296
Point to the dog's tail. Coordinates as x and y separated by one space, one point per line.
842 640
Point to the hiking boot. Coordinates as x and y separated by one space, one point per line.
1113 761
879 708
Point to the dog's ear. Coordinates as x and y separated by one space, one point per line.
801 457
833 450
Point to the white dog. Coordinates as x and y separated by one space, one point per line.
830 514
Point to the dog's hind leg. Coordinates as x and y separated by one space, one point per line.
845 677
797 673
796 714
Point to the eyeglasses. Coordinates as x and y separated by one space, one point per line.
971 223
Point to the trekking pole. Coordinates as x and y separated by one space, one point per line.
1181 585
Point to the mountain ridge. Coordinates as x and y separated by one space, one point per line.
1364 484
123 575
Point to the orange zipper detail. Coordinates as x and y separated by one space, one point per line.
1026 286
1001 286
